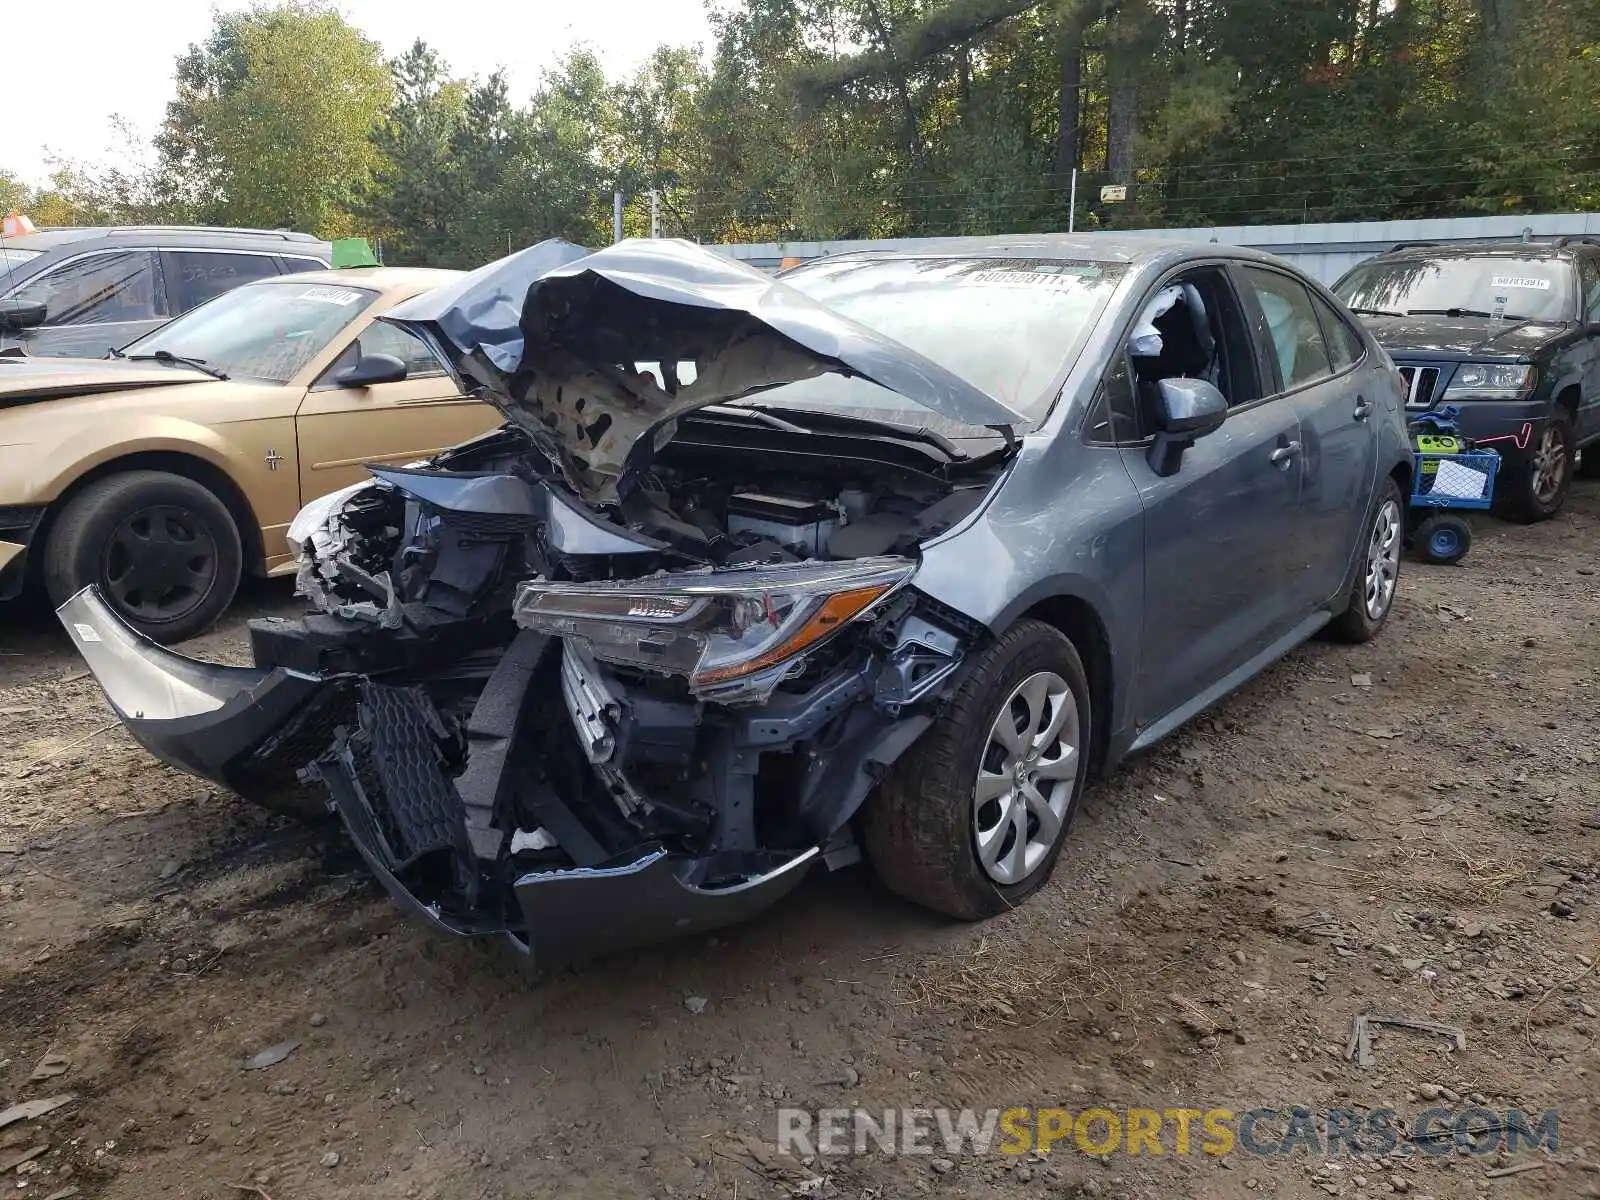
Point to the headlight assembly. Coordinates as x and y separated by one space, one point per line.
1492 381
732 634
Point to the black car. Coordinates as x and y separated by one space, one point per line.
1509 333
81 291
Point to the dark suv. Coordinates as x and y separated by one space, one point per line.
1509 332
83 291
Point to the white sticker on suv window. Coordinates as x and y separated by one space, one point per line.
1521 281
330 295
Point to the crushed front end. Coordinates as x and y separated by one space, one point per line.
590 719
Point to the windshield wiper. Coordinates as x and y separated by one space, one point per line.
1374 312
1462 312
168 358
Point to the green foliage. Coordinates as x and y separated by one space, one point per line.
273 118
864 118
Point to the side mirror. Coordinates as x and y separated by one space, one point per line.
22 314
371 369
1187 410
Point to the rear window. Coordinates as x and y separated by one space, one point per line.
1008 326
1527 288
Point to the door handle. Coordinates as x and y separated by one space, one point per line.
1363 407
1284 455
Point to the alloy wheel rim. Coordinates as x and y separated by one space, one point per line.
159 564
1383 560
1026 778
1549 465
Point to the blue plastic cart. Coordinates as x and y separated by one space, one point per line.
1450 479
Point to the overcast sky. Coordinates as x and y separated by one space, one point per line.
69 66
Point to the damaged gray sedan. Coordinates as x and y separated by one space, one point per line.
886 554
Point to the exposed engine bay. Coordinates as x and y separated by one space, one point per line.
600 699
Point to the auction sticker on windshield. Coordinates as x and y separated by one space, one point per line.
1007 277
330 295
1520 281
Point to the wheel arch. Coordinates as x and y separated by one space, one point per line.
1083 626
175 462
1570 398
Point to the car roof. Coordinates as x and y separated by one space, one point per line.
158 235
1060 247
1508 249
397 282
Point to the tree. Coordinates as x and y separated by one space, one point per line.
272 120
409 201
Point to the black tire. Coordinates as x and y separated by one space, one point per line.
181 585
919 829
1522 492
1442 539
1358 622
1588 464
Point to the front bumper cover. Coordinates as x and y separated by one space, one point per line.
253 729
1510 426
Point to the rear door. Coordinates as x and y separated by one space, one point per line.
192 277
342 428
1314 357
1218 583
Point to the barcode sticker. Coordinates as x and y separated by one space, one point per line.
1531 282
330 295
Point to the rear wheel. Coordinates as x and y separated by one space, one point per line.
163 550
1378 576
1587 465
1443 539
970 823
1533 484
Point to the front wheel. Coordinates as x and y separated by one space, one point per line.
1378 574
1533 484
163 550
971 821
1443 539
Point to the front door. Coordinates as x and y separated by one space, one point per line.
342 428
93 303
1218 575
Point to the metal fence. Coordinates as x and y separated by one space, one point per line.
1323 251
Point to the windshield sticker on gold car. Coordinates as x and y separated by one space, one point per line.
330 295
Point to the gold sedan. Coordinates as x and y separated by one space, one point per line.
166 471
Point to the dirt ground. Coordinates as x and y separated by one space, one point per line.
1408 828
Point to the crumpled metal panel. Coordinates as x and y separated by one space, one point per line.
566 373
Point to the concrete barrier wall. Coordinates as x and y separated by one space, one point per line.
1323 251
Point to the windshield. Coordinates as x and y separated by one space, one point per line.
1526 289
1007 326
13 256
265 331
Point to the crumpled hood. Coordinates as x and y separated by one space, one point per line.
557 337
26 379
1461 335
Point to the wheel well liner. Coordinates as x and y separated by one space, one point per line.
1077 619
209 476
